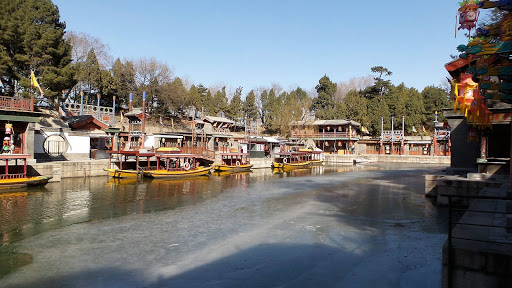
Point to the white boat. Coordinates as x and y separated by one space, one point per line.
362 161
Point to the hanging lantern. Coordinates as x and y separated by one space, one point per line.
464 93
328 128
339 128
468 14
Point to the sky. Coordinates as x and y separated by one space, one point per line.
257 44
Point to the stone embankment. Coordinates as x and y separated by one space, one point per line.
90 168
339 158
479 251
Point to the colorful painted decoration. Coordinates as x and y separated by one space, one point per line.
464 93
468 14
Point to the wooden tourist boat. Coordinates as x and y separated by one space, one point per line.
128 173
14 178
315 157
291 160
177 165
234 162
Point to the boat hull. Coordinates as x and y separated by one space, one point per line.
162 174
290 166
25 182
229 168
118 173
316 162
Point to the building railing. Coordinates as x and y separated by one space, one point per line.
16 103
459 206
221 130
325 135
392 135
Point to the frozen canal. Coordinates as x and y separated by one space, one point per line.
328 227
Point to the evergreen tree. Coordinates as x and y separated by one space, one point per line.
378 109
273 110
250 109
264 106
324 104
207 103
397 97
124 81
31 38
89 73
235 106
415 110
195 97
174 97
220 102
435 99
355 107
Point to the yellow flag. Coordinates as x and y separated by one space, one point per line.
34 83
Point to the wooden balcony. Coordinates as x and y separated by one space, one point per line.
16 104
329 135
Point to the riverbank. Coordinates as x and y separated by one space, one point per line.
365 227
92 168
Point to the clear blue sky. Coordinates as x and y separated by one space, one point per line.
292 43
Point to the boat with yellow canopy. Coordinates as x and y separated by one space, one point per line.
15 176
233 162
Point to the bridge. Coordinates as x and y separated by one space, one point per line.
103 114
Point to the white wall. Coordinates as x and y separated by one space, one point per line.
79 144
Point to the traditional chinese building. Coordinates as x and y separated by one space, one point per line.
332 136
15 116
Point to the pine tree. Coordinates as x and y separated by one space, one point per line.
356 107
250 109
235 106
324 104
31 38
435 99
124 81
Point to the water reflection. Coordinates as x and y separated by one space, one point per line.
35 210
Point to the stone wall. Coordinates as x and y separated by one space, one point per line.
340 158
69 169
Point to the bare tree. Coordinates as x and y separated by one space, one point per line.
82 43
355 83
150 75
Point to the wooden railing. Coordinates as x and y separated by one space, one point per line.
12 176
325 135
16 103
198 151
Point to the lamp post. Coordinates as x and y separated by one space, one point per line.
114 110
143 117
81 103
98 106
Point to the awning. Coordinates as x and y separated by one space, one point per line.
420 142
19 118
